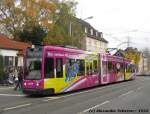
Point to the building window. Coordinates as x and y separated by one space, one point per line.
100 35
85 30
16 61
11 61
8 61
91 31
96 34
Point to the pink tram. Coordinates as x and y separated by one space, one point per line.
52 70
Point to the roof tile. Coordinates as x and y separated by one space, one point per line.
7 43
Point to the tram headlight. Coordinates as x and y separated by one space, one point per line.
37 84
25 83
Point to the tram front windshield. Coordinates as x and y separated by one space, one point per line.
33 69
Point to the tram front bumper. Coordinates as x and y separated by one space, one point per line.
49 91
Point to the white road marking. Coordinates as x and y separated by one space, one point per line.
12 95
94 107
138 88
126 93
50 98
15 107
6 88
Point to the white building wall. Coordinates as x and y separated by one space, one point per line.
20 61
145 65
6 52
95 45
141 64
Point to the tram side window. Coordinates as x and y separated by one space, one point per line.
49 68
72 68
119 67
91 71
132 68
122 67
104 66
59 68
81 64
128 69
87 68
110 67
95 68
120 70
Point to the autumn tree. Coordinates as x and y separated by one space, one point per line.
133 54
15 15
54 16
11 17
66 29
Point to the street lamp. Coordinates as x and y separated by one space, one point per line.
91 17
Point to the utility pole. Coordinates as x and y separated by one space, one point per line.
70 29
128 40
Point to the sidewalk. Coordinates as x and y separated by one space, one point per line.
5 86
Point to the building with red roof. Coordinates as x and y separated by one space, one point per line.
12 51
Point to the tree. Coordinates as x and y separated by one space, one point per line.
133 54
10 16
16 14
62 21
35 34
54 16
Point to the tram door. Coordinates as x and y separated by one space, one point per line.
88 68
104 76
57 81
89 73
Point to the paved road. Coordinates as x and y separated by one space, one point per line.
127 97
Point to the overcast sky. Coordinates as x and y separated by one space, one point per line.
118 20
